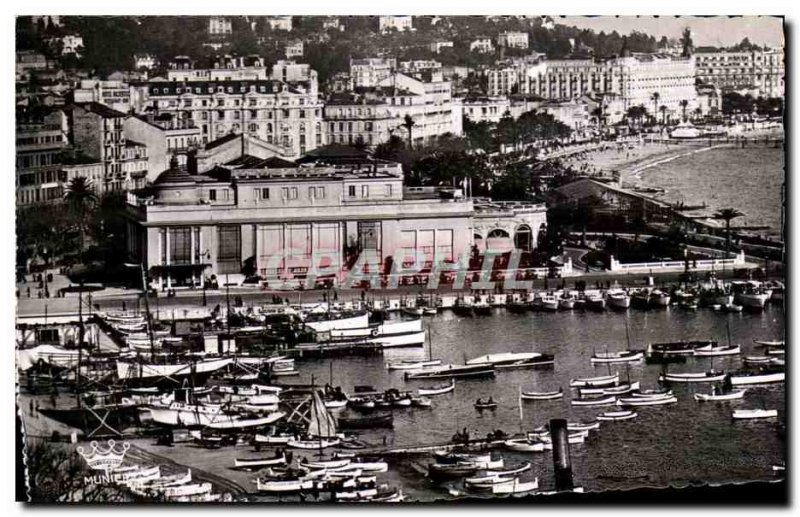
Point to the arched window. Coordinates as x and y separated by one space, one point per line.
523 238
498 234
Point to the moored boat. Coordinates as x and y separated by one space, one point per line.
594 401
451 371
524 445
625 356
639 401
587 382
718 351
714 396
367 422
763 375
617 415
546 395
412 365
709 376
516 487
745 414
259 462
437 390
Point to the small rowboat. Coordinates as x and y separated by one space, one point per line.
486 482
770 343
443 471
546 395
709 376
278 487
617 415
652 394
240 463
420 402
572 427
516 487
718 351
625 356
313 444
326 464
524 445
437 390
733 395
595 401
757 359
510 472
589 382
655 401
412 365
741 414
485 405
776 351
621 389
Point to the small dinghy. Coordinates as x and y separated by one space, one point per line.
516 487
447 471
718 351
594 401
745 414
775 344
243 463
524 445
620 389
509 471
592 382
545 395
625 356
321 443
486 482
437 390
709 376
652 394
654 401
707 397
489 404
617 415
758 359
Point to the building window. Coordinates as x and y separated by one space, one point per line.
364 190
212 195
263 192
388 190
293 193
180 245
321 192
229 252
351 191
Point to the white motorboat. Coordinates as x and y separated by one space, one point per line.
437 390
259 462
549 303
713 396
412 365
547 395
709 376
625 356
589 382
524 445
765 376
718 351
617 415
634 401
744 414
618 300
594 401
286 486
516 487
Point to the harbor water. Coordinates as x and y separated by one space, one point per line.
679 444
748 179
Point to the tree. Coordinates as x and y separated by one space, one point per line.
686 43
655 96
727 215
663 110
80 197
684 104
636 113
409 123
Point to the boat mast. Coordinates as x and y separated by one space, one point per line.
147 311
80 346
519 401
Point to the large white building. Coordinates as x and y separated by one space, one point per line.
220 26
759 72
634 79
368 72
114 94
280 106
374 115
337 209
513 39
398 23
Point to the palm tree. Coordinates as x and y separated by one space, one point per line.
409 123
727 214
655 96
80 197
663 110
684 103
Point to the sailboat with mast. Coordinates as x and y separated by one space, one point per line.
321 431
95 414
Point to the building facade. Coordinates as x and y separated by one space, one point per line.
280 23
219 26
373 116
482 45
437 46
114 94
279 221
368 72
513 39
398 23
485 109
281 107
759 73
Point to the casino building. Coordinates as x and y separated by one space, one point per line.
332 209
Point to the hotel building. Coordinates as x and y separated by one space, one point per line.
759 72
